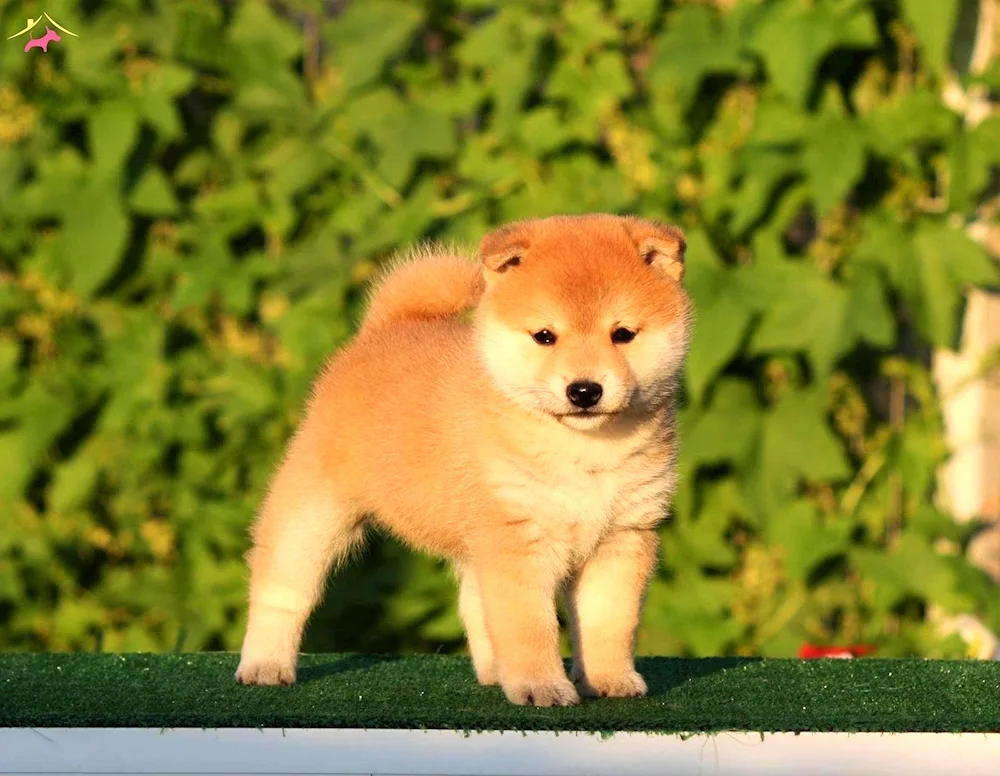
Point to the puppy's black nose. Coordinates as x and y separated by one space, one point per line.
584 394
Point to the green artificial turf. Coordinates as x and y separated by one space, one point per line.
426 692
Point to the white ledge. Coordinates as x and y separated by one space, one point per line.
255 752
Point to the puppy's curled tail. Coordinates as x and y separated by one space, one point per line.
426 285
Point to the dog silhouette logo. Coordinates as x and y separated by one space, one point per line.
50 36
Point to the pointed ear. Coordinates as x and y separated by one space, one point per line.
662 247
504 248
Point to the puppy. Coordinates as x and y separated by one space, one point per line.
533 447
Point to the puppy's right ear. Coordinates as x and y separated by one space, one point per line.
662 247
504 248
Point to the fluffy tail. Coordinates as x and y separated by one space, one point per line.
431 283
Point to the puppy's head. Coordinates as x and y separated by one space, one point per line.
584 317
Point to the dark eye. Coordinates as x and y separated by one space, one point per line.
544 337
622 335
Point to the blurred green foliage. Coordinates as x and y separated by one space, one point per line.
192 194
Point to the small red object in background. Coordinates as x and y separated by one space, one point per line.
812 652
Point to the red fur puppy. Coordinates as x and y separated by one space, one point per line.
533 447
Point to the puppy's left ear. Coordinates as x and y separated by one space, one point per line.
504 248
662 247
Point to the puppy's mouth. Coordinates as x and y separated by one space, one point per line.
585 416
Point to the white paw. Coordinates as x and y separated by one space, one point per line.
540 692
625 685
265 671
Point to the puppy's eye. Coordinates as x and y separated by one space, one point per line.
622 335
544 337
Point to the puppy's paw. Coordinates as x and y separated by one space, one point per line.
626 685
540 692
487 676
266 671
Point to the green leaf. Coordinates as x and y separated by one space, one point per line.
313 326
366 35
543 131
913 118
282 103
10 354
156 100
777 122
112 130
262 44
934 24
575 183
885 247
762 169
42 413
610 74
93 237
932 524
505 47
793 38
726 429
945 261
868 314
968 262
723 314
15 469
796 443
429 134
199 30
637 11
200 275
704 541
236 290
935 299
698 612
834 159
237 204
806 541
588 25
912 568
153 195
135 349
695 44
73 482
402 132
55 191
293 165
591 89
723 499
918 457
807 312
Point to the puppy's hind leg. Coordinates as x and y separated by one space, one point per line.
303 528
470 607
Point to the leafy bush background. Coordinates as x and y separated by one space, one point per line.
193 193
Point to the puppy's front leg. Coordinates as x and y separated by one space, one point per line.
518 599
605 603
